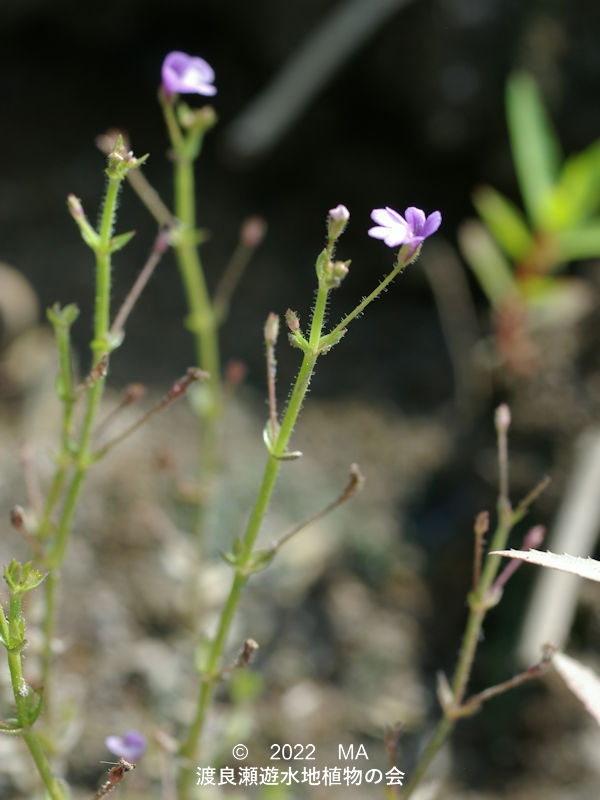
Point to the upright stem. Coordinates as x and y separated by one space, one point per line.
21 691
190 746
58 546
201 317
480 603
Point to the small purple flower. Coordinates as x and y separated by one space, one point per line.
185 74
412 229
131 746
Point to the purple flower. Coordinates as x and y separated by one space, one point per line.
185 74
412 229
131 746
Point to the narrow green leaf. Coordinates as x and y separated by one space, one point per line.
576 195
535 147
505 221
491 268
579 243
118 242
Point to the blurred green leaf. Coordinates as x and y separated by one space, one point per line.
535 147
491 268
576 195
505 221
583 242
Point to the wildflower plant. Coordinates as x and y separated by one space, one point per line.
47 529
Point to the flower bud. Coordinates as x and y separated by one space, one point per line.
337 221
292 320
335 272
253 231
75 206
271 328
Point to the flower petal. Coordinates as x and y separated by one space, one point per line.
432 223
416 219
184 73
378 232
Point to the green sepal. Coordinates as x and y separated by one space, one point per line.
10 726
118 242
505 221
22 577
120 161
62 317
535 146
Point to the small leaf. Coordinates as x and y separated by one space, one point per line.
584 567
505 221
118 242
535 146
581 680
260 560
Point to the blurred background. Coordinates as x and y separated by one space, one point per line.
367 103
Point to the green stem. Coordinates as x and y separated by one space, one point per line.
20 692
63 340
58 546
405 257
190 746
201 316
